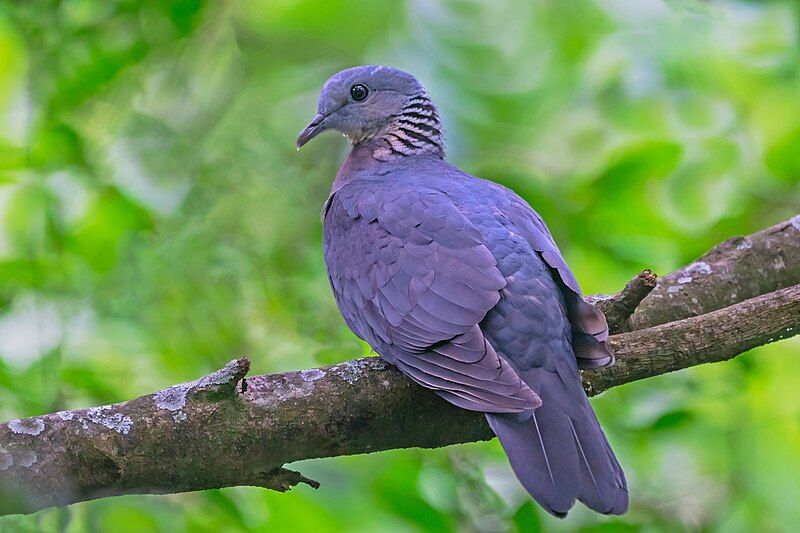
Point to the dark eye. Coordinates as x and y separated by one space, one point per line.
359 92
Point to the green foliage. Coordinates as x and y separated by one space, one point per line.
155 221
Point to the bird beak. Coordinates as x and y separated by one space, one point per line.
314 128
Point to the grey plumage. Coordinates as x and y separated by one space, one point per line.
458 282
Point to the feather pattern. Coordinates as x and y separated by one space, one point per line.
403 297
415 130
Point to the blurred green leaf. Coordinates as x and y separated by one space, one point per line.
783 157
526 519
672 420
106 227
637 163
25 219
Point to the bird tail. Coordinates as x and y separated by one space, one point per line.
559 452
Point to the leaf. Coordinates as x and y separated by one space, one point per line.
106 227
527 518
673 420
639 162
783 157
25 219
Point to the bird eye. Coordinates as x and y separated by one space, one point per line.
359 92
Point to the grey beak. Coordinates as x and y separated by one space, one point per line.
314 128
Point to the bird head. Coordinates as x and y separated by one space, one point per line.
372 101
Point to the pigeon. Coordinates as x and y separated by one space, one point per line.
458 282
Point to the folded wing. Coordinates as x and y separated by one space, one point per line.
412 277
589 327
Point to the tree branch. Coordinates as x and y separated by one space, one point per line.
212 433
619 307
731 272
710 338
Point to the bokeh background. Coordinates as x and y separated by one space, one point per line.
156 221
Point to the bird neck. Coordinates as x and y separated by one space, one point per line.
415 130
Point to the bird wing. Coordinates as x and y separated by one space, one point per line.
412 277
558 451
589 326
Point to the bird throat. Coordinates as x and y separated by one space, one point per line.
415 130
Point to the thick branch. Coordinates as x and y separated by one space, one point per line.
738 269
209 433
710 338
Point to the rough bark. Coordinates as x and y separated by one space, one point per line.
619 307
735 270
223 430
716 336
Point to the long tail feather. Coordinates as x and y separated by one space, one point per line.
559 452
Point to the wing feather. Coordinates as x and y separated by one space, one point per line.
413 278
585 319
